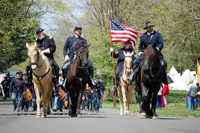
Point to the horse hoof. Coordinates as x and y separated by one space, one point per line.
48 112
148 116
142 115
73 115
155 117
44 116
79 115
38 116
121 113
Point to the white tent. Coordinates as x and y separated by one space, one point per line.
181 82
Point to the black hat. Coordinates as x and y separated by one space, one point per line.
18 73
39 30
77 27
97 76
128 41
148 24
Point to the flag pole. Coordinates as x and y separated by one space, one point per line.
114 96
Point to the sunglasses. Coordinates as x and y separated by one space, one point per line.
97 78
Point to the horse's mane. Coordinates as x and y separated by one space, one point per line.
149 51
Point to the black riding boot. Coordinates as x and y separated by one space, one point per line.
135 70
28 82
90 70
55 75
166 79
64 71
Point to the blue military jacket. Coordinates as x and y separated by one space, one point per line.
97 88
5 84
121 57
68 45
45 43
16 86
156 38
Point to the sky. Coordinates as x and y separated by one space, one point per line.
77 12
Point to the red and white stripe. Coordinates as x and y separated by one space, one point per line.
123 36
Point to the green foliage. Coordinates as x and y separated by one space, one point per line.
18 23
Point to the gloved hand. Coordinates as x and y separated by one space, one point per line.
46 51
66 58
111 49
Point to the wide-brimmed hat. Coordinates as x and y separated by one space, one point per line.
148 24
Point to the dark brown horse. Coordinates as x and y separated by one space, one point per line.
77 79
148 81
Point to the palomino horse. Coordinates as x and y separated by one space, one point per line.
77 78
42 78
125 86
149 79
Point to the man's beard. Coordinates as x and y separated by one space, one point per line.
41 37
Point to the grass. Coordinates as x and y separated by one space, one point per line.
176 106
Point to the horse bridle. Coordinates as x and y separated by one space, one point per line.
128 67
152 65
122 76
81 60
36 63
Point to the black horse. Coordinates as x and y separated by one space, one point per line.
148 81
77 78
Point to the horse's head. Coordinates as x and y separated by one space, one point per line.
83 53
128 62
151 57
33 54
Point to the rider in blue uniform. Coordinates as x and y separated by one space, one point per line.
70 50
121 57
150 37
47 45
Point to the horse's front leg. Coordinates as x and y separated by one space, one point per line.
129 95
44 102
124 99
38 100
120 99
145 99
154 101
79 103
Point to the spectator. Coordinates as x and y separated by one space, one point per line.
25 104
191 91
57 104
96 93
165 94
33 98
197 102
17 89
159 102
5 85
88 97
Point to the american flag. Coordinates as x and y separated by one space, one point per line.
122 33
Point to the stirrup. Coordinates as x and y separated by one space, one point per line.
113 88
131 76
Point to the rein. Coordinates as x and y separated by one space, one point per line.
152 65
79 67
36 63
122 75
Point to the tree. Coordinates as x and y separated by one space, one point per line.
18 23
